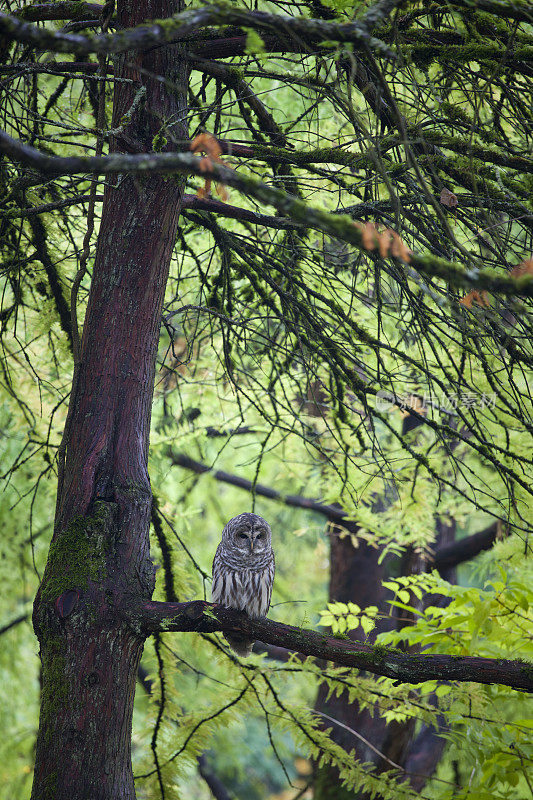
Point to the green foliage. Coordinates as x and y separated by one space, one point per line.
275 344
342 617
341 6
254 43
494 621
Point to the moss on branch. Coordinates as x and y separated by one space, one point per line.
339 226
201 616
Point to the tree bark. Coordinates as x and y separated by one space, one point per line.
203 617
99 556
356 576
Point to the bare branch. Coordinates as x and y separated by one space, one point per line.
333 513
445 557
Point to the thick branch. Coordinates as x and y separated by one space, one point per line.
39 12
184 26
204 617
464 549
514 10
337 225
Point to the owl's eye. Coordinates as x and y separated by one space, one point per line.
259 536
242 536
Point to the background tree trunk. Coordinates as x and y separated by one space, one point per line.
356 576
99 557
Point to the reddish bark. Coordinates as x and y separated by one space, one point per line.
100 552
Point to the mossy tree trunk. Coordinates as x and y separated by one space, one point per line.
99 558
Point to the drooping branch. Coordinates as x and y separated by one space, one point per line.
337 225
216 786
445 557
39 239
202 617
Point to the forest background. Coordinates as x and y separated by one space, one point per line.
341 195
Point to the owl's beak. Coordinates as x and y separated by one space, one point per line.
251 544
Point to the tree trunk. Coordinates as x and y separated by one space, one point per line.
99 557
420 755
356 576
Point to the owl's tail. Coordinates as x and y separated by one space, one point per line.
240 645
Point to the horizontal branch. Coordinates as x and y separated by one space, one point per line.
464 549
190 202
520 11
204 617
184 26
193 203
72 10
338 226
333 513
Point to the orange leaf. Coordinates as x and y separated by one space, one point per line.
448 198
369 234
384 243
206 143
524 268
400 249
481 298
387 241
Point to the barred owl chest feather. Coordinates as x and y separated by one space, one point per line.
245 589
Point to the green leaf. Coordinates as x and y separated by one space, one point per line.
254 43
367 624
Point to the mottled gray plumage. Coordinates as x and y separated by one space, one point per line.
243 571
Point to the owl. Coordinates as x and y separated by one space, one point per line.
243 571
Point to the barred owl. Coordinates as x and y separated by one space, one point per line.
243 571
